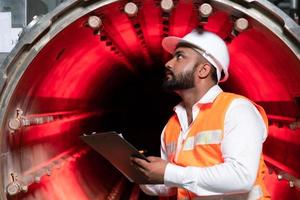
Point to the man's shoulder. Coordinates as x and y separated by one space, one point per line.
228 100
237 99
233 95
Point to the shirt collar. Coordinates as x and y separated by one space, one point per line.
208 97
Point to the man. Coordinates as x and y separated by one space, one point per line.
211 148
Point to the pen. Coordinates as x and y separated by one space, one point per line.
143 151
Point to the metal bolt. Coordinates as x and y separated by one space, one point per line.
205 10
167 5
131 9
15 124
241 24
34 20
37 179
13 188
24 188
94 22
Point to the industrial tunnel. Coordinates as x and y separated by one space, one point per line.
91 66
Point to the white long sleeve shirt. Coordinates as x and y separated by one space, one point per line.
244 134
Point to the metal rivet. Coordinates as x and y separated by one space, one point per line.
241 24
131 9
24 188
13 188
94 22
37 179
205 10
15 124
167 5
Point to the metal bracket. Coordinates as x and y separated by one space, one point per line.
16 123
15 186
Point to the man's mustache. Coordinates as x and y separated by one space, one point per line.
168 71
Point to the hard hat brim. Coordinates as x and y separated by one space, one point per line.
169 43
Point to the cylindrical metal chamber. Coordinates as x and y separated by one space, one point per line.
98 65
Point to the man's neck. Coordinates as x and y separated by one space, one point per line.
193 95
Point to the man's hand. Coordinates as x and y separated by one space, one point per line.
153 170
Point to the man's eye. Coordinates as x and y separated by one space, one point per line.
178 56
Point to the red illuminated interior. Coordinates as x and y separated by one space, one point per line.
111 81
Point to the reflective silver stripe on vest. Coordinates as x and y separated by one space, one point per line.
189 144
203 137
171 148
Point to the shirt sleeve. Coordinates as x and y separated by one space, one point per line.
244 133
160 189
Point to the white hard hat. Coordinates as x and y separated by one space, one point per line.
208 44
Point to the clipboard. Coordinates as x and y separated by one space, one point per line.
117 151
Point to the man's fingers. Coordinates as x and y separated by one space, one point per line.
153 170
141 169
139 162
153 158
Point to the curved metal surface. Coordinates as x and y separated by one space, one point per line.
59 99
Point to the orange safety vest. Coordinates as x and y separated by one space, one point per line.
202 147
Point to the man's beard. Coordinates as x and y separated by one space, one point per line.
180 82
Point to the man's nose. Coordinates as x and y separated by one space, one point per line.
169 64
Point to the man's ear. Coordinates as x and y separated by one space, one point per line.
203 70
